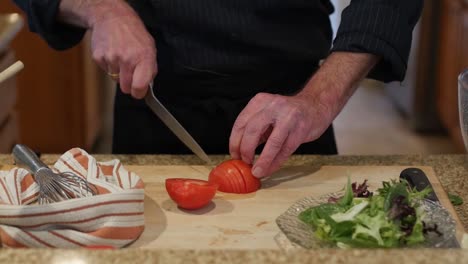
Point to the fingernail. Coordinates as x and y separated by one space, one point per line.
257 172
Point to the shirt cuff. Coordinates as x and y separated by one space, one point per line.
42 16
381 29
391 66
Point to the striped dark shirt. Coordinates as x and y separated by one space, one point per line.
232 36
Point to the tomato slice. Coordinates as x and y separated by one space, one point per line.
241 171
190 193
234 176
226 177
251 182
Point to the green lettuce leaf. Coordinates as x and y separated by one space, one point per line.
351 213
347 199
368 222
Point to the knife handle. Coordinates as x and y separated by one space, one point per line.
417 179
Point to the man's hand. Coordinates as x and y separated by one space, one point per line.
285 122
120 43
282 122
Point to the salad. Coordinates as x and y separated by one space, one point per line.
360 219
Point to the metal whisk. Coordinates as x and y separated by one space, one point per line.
53 187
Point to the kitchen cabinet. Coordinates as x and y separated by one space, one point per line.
8 117
8 133
59 95
452 59
7 87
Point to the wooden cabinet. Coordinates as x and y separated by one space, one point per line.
60 94
8 117
452 59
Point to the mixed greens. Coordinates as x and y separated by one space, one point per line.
390 218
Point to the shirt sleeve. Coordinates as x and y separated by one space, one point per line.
380 27
42 20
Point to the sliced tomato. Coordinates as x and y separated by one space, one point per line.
233 183
191 193
252 183
234 176
227 177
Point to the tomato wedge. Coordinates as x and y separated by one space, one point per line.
227 177
190 193
251 182
234 176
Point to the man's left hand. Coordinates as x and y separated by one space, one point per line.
283 123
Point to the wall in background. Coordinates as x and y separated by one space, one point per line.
336 16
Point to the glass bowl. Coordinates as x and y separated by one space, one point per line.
303 235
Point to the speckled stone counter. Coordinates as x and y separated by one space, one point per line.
452 171
12 256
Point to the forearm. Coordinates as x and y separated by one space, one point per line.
336 80
85 13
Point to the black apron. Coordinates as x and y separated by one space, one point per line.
213 57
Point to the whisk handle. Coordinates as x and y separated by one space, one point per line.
26 156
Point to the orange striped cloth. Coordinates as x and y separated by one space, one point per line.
114 217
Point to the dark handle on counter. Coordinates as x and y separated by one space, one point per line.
417 179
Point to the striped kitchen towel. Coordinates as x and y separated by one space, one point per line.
113 217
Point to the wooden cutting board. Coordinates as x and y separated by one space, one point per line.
248 221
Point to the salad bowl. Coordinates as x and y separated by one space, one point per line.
302 234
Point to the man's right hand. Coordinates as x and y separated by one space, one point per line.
120 43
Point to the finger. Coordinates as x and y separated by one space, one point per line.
142 76
266 135
126 75
113 67
289 147
235 139
98 57
272 147
252 135
255 105
110 67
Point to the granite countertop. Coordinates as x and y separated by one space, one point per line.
452 171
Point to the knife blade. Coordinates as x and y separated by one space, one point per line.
171 122
418 180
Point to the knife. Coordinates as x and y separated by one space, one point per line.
418 180
171 122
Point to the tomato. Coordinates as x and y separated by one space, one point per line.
234 176
251 182
190 193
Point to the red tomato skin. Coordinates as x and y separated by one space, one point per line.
190 194
227 177
234 176
252 183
